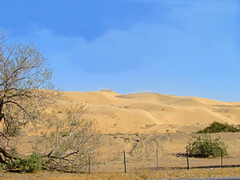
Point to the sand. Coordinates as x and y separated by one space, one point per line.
152 112
142 123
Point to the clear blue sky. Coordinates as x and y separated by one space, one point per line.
179 47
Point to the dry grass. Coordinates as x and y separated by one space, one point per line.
140 174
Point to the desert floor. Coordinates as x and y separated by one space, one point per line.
140 174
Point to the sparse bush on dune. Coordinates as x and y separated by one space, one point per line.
204 146
217 127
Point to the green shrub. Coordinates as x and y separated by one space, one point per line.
217 127
31 163
203 146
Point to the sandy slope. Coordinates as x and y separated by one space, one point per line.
144 122
152 112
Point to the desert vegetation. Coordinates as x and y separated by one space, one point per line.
26 93
217 127
25 83
70 138
204 146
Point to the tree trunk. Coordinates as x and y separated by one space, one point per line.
1 110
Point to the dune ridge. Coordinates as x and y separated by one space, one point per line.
152 112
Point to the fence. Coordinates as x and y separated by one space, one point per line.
125 163
131 152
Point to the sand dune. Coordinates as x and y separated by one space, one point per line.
152 112
144 122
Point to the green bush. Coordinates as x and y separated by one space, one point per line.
203 146
217 127
31 163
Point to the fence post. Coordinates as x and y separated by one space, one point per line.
221 158
125 164
157 159
89 163
187 159
61 162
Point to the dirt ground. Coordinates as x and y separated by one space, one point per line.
141 158
140 174
141 151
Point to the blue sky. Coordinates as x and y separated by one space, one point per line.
178 47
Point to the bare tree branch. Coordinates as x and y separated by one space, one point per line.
25 87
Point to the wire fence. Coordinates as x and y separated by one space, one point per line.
124 162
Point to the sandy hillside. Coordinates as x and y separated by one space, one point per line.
151 112
143 123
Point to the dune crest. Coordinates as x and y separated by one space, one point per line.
152 112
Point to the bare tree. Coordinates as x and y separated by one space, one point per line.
25 87
25 91
70 135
